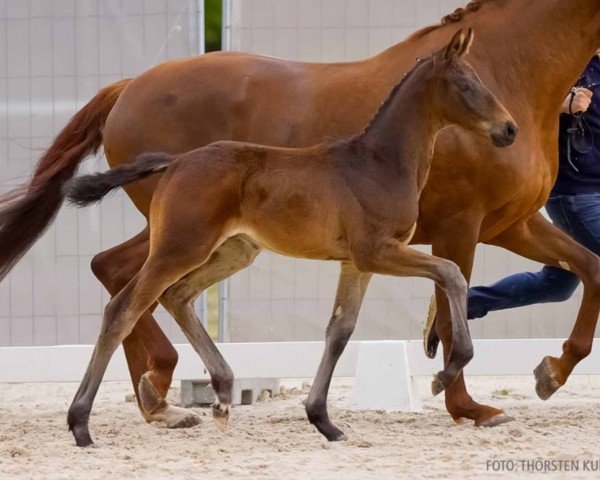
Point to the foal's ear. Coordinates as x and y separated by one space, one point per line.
467 42
456 45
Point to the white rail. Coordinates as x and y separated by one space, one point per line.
67 363
384 371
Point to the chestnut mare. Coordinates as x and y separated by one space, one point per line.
355 201
529 53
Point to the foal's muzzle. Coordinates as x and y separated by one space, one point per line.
506 136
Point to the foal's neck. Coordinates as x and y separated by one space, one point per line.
402 135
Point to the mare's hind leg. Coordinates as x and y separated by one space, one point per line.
179 301
351 290
169 262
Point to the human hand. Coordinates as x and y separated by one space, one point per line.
582 99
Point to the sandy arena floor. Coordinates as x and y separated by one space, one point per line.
273 439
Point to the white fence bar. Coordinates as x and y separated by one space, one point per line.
503 357
280 360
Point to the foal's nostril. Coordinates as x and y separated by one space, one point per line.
510 131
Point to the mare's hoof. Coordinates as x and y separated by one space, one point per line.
496 420
430 339
220 414
154 408
189 421
437 386
545 377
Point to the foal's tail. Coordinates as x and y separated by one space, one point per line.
89 189
28 210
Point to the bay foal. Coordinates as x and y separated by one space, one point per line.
355 201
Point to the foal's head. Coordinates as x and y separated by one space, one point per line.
459 97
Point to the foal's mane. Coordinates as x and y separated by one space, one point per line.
453 17
385 105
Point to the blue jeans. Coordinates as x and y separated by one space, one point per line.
579 217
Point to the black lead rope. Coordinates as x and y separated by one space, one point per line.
580 136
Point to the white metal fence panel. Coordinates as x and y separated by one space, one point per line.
54 57
285 299
56 54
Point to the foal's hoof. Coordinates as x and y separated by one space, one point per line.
82 435
77 420
546 381
496 420
320 419
430 339
340 437
220 414
331 432
437 386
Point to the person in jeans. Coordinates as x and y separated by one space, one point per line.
573 206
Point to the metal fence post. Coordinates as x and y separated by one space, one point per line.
223 332
226 25
223 335
200 20
198 45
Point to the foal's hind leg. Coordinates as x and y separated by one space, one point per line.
179 301
158 273
151 357
351 290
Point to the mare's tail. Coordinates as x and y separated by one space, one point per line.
28 210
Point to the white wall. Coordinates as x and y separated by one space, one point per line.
280 298
54 56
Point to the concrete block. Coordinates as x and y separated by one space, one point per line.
245 390
196 392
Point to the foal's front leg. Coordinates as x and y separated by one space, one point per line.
169 263
351 290
391 257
